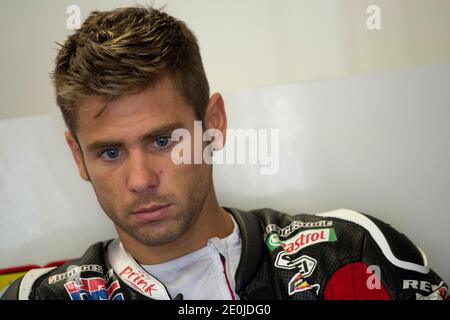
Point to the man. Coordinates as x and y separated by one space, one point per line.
124 83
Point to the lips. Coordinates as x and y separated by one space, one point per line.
153 213
152 208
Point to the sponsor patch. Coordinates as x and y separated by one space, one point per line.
93 289
308 238
299 284
273 242
433 292
74 270
421 285
138 280
133 275
304 264
294 226
439 294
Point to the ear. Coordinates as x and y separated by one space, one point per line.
216 118
77 155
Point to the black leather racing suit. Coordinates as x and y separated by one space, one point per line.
340 254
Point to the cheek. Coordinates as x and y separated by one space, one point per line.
181 176
105 180
108 184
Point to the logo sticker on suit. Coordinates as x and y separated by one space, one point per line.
299 284
305 264
301 240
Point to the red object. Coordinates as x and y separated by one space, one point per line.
31 266
350 283
226 277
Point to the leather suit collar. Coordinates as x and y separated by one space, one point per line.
252 246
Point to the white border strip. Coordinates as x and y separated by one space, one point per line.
378 236
424 257
26 285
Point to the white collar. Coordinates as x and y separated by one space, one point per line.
137 278
131 273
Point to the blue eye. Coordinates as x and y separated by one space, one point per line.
110 154
162 142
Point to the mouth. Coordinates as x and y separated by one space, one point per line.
153 213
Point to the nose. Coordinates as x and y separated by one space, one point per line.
141 176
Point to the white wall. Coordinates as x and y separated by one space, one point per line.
245 44
374 143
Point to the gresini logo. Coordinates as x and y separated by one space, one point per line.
299 284
305 264
138 280
307 238
74 271
284 232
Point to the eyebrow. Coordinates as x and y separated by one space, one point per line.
155 133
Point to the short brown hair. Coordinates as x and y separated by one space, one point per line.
123 51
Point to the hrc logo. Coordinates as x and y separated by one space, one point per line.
93 289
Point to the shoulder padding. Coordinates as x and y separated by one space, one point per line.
396 247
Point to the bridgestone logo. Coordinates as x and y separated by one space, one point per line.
74 271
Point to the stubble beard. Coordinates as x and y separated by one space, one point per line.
169 229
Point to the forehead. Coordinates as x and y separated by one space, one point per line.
156 106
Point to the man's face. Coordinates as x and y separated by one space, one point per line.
127 158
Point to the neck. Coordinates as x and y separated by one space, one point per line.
213 221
